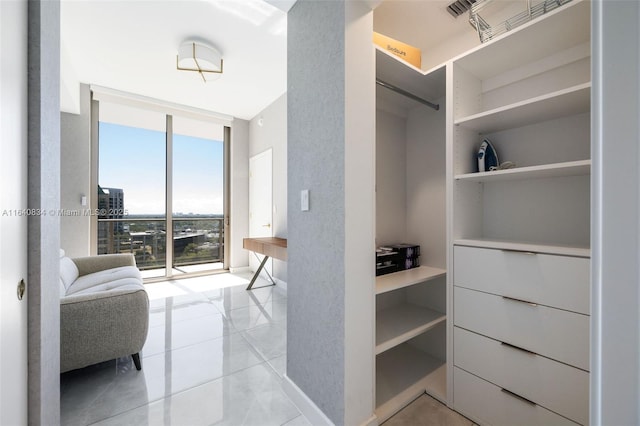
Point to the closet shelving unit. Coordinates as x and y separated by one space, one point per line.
522 91
528 92
404 321
411 305
403 370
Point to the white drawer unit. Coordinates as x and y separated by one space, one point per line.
556 386
554 333
556 281
519 279
488 404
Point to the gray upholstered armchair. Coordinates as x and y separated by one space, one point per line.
104 310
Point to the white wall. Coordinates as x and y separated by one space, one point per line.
44 193
239 187
426 188
391 163
316 238
13 196
615 227
272 133
410 180
360 219
331 152
75 177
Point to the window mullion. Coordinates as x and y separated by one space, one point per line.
169 199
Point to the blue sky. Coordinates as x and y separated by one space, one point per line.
134 159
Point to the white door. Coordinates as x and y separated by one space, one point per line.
260 202
13 203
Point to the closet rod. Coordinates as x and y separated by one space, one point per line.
407 94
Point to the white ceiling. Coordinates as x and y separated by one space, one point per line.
422 23
131 46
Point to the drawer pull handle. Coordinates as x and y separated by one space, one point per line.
518 348
513 299
516 396
529 253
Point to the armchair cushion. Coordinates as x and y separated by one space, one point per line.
106 280
90 264
68 271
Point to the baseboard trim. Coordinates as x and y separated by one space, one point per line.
306 406
372 421
239 270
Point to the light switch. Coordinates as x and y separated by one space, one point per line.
83 200
304 200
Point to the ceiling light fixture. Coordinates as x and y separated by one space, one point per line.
198 57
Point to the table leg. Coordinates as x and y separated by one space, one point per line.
255 276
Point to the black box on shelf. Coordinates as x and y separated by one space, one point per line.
386 261
397 257
408 255
386 269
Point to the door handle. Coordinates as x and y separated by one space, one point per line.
268 225
21 289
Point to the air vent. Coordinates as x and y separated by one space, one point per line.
459 7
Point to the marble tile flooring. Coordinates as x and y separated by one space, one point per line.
426 411
215 354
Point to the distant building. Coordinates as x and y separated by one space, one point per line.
110 200
110 206
183 239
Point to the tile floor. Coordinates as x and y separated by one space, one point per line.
215 354
426 411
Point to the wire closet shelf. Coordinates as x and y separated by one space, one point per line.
487 31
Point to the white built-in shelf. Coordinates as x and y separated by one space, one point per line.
569 168
561 250
429 84
403 322
553 32
562 103
385 59
397 280
404 373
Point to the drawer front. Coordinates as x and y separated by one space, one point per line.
553 385
558 281
554 333
487 404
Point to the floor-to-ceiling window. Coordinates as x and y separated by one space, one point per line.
161 190
197 195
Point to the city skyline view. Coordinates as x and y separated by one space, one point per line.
134 160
